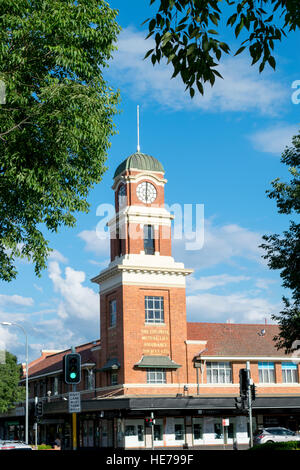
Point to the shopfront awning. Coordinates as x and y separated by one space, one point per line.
157 362
111 364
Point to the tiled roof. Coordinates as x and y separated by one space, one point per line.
231 339
53 362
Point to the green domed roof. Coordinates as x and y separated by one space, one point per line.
139 161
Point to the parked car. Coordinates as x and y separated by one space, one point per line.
275 435
14 445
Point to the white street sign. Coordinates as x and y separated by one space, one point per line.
74 402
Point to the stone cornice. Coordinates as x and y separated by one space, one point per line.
113 271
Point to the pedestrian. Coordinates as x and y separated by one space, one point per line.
57 443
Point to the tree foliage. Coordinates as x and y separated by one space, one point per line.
283 251
56 122
188 33
11 393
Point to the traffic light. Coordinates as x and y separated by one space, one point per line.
240 403
253 392
39 408
149 421
72 368
244 382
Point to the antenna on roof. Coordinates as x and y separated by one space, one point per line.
138 128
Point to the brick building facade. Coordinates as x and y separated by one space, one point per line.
149 359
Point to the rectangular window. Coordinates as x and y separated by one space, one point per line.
114 378
154 309
158 432
218 372
130 431
179 432
156 376
266 372
289 372
89 379
218 431
112 313
149 248
55 386
140 430
197 429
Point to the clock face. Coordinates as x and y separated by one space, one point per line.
146 192
122 195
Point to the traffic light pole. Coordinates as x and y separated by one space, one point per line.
74 417
36 425
250 407
152 429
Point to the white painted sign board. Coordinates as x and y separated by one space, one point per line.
74 402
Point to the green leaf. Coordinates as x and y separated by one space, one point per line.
148 53
241 49
272 62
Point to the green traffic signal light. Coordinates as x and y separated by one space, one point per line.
72 366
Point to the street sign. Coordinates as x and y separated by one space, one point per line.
225 421
74 402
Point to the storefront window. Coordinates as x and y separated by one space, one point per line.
218 431
158 435
230 431
140 433
179 432
197 431
130 431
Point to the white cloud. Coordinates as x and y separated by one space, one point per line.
99 246
210 282
239 307
243 88
55 255
222 244
16 300
265 284
274 139
77 301
39 288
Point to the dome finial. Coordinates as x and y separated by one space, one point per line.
138 128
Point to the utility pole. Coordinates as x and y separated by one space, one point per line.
36 399
152 428
249 396
74 416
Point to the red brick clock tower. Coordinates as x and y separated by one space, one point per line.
142 292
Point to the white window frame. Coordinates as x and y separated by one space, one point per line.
154 314
266 372
156 376
218 372
289 373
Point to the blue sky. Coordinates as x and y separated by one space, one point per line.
221 150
